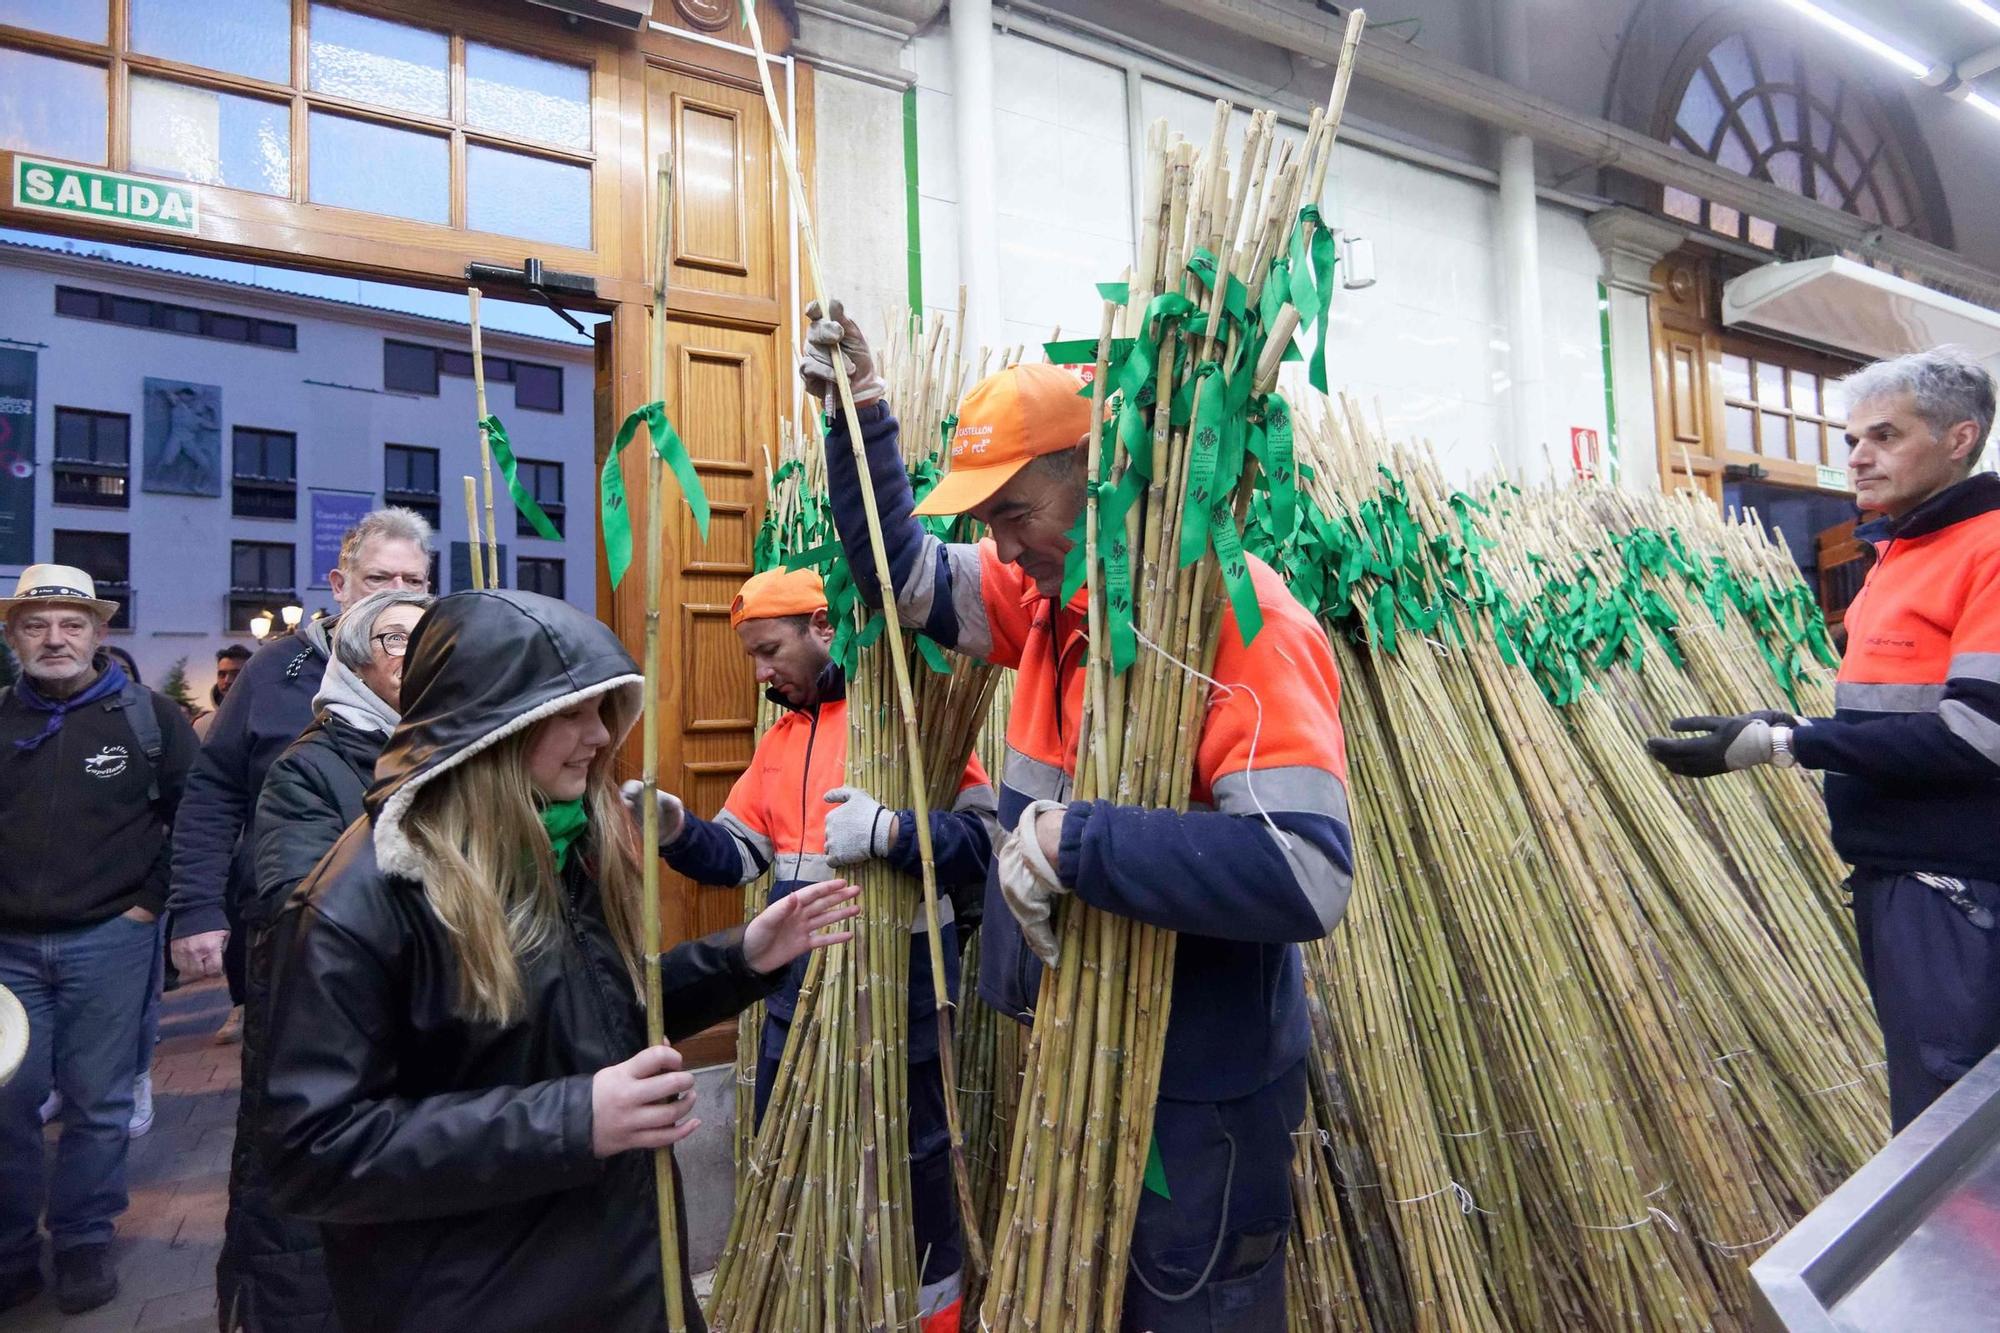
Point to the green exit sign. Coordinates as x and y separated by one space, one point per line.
104 196
1832 478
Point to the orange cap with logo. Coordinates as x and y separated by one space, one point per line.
1011 416
778 592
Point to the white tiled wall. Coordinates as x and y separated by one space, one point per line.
1424 348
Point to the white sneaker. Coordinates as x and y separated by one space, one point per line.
142 1105
52 1107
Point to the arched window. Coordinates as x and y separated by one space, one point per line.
1761 101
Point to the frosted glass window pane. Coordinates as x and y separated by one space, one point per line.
1773 436
1731 59
1805 392
530 197
1770 384
1763 233
1736 377
379 169
216 138
85 20
51 106
526 96
250 37
1737 430
1680 204
382 63
1805 441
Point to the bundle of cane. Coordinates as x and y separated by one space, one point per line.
1161 550
822 1234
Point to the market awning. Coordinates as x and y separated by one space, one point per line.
1853 308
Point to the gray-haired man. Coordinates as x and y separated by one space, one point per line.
265 710
1912 753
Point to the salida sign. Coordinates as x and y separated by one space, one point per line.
106 196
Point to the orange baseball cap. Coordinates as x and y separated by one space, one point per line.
1011 416
778 592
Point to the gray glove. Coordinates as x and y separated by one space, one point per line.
673 815
823 335
858 828
1727 744
1030 884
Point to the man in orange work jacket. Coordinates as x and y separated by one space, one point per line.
1912 753
791 814
1260 861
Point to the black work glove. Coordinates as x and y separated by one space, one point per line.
1729 745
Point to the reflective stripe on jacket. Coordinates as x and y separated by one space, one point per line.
1913 751
1263 857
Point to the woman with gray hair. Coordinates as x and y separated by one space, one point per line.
270 1275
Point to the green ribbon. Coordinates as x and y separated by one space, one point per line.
503 454
617 518
564 822
1311 263
1204 455
1155 1178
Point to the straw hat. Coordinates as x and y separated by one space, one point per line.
13 1035
61 584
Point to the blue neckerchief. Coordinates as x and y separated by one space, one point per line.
109 682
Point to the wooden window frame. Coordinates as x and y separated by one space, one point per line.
1780 468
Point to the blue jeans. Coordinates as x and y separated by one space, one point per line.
85 993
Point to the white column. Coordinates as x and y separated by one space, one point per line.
978 195
1518 247
1632 243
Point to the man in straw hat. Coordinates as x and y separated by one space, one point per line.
91 768
792 813
1261 861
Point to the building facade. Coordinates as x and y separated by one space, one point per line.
199 446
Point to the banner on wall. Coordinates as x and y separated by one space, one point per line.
17 456
333 513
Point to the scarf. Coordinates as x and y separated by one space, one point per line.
564 822
344 694
108 683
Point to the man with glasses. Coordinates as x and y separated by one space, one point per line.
266 709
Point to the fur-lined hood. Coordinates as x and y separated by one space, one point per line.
481 667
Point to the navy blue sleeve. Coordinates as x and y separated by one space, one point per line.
214 807
707 852
961 847
1226 876
1911 748
918 562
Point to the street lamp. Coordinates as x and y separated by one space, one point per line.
292 615
260 626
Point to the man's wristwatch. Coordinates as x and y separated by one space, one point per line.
1781 748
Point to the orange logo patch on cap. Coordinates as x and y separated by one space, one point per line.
1009 417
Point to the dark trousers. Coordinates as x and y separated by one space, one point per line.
934 1211
1931 956
1209 1255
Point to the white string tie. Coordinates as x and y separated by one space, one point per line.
1249 773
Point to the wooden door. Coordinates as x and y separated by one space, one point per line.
727 379
1685 348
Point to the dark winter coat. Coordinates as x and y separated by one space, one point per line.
264 712
81 840
449 1162
271 1275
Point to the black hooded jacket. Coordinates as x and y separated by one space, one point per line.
271 1274
449 1162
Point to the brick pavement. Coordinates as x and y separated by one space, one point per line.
179 1180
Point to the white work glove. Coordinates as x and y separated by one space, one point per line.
858 828
673 815
1029 883
823 335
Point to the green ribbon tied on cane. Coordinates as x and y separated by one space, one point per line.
503 454
1310 263
617 517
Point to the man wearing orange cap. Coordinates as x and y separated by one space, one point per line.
1259 862
791 814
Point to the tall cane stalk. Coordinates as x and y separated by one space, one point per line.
493 579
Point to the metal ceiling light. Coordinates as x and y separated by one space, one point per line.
1909 64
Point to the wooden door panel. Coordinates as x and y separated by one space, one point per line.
728 203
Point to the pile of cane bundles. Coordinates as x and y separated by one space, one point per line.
1233 259
1590 1036
821 1236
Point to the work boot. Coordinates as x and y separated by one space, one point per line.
17 1289
85 1278
231 1030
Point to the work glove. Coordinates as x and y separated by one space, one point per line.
673 815
1029 883
858 828
1729 745
823 335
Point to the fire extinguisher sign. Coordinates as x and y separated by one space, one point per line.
1583 452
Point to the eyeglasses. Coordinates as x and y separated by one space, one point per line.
395 642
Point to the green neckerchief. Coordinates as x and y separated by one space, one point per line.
564 822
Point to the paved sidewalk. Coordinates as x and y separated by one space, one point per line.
179 1180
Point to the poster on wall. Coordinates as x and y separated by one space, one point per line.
183 438
333 513
17 456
